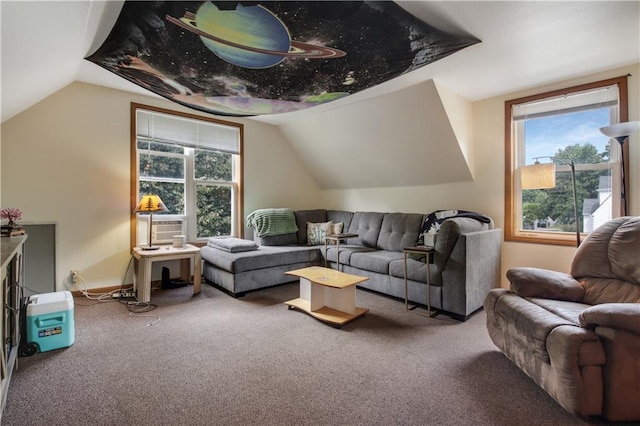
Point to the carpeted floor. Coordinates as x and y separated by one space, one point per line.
215 360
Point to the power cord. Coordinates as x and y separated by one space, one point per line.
135 307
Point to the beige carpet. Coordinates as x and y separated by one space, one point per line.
215 360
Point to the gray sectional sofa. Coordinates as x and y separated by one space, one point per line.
465 264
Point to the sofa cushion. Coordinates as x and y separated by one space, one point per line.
337 216
374 261
345 253
527 323
276 240
416 270
367 226
304 216
567 310
399 230
263 257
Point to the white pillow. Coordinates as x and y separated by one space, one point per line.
336 228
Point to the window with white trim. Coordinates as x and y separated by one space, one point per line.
561 127
194 165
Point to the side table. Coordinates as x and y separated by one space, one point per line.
427 251
337 238
143 261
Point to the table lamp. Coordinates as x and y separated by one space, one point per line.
150 204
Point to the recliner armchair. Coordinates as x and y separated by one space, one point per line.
577 335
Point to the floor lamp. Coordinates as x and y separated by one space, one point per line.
621 132
543 176
150 204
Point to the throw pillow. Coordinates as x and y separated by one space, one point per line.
336 228
317 231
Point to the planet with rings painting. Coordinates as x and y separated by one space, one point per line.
248 36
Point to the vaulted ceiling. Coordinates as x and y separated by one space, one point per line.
523 44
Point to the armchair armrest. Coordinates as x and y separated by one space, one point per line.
621 316
546 284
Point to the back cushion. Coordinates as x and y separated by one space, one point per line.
367 226
340 216
611 251
607 262
276 240
304 216
399 230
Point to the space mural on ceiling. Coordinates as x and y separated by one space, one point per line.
253 58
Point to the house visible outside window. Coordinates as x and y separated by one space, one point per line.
560 127
194 165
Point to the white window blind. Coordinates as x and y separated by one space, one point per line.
574 102
163 128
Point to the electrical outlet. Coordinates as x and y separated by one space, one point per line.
74 276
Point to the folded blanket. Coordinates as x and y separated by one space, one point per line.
231 244
433 221
272 222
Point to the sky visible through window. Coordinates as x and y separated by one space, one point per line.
545 136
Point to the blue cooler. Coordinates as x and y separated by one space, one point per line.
50 322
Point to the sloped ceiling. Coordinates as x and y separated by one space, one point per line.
404 138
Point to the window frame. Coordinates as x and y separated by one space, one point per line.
237 207
513 196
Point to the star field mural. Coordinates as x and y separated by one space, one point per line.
252 58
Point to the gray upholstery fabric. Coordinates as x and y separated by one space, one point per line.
399 230
277 240
448 235
304 216
374 261
367 226
458 289
337 216
263 257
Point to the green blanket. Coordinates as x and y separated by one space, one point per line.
272 222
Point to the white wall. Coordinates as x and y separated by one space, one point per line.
66 160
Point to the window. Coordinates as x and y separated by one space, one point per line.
560 127
195 165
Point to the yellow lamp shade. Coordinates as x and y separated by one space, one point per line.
150 204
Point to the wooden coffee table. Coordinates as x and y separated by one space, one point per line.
327 294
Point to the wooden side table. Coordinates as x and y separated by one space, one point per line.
143 261
427 251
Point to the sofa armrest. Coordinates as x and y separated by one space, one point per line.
473 268
545 284
621 316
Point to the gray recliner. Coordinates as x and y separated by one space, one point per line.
577 335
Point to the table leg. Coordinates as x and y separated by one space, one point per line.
197 267
185 269
144 280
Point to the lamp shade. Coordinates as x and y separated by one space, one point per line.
620 129
538 176
150 204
